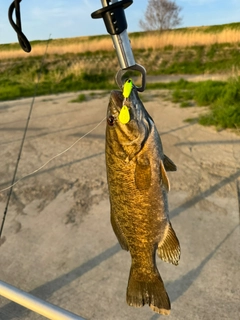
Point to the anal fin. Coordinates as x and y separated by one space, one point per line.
169 248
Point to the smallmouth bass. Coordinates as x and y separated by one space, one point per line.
138 187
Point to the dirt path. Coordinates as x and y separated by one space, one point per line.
188 77
59 244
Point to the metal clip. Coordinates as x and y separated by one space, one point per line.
136 67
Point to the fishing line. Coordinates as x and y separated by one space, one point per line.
23 139
54 157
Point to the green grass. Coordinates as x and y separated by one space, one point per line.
208 91
222 116
25 83
223 99
91 95
81 98
180 84
182 96
225 109
216 58
220 28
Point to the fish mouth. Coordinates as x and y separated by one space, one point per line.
117 100
136 130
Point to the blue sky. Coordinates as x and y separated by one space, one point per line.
71 18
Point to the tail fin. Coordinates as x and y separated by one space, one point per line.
153 293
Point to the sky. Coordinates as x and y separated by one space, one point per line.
72 18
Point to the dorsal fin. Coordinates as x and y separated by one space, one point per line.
169 248
164 176
169 164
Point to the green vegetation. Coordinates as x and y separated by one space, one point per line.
179 85
225 108
216 58
87 97
13 90
223 99
208 92
220 28
213 28
182 96
81 98
21 78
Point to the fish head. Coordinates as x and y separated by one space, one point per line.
128 124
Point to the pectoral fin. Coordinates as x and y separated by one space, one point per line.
164 177
169 248
169 164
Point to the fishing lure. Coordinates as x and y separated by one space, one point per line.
124 115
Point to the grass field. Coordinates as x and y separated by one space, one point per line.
90 63
167 40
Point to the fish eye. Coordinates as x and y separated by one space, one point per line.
110 120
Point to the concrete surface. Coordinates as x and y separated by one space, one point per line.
58 243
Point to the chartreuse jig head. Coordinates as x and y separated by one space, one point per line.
127 88
124 115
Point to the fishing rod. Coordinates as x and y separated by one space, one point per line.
24 43
22 142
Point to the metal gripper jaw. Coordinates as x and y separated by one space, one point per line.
115 21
